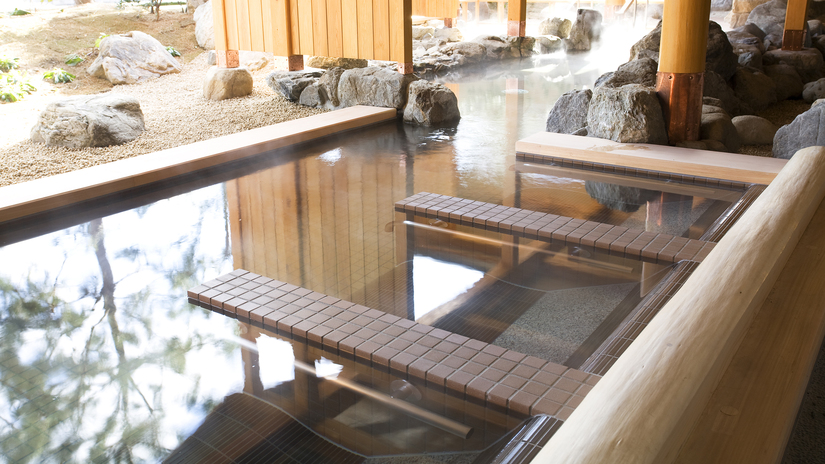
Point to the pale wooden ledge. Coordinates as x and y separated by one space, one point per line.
645 409
684 161
65 189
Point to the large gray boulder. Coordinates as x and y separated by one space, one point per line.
549 44
324 92
720 57
586 29
721 5
813 91
569 114
89 121
751 29
630 114
290 84
787 80
204 26
718 126
808 62
224 83
556 26
754 130
374 86
641 71
465 53
754 87
504 47
770 16
807 129
131 58
716 87
430 104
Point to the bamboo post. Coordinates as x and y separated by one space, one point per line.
226 58
516 18
644 408
682 65
795 18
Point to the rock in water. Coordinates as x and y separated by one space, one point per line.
569 114
374 86
223 83
131 58
808 129
430 104
629 114
89 121
204 26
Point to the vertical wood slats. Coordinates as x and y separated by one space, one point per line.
367 29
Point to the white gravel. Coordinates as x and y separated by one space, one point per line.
175 113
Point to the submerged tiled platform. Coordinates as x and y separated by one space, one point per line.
617 240
466 368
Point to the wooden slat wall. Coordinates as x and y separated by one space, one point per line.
367 29
435 8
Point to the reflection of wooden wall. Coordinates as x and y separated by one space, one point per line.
368 29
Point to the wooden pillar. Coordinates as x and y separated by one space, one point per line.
401 37
284 45
611 7
795 18
516 17
682 65
226 58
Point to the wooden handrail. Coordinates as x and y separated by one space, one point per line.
645 406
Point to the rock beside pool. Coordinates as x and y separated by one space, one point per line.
718 126
556 26
204 26
717 87
549 44
754 87
89 121
374 86
131 58
642 71
430 104
808 62
224 83
769 16
813 91
505 47
629 114
788 82
290 84
754 130
585 30
569 114
806 130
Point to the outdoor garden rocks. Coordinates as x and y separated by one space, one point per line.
290 84
807 129
131 58
754 130
718 126
569 114
754 87
204 27
375 87
770 16
808 62
89 121
813 91
742 38
430 104
749 56
586 29
787 80
751 29
556 26
452 56
504 47
716 87
549 44
641 71
630 114
223 83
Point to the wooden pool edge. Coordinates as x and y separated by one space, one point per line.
40 195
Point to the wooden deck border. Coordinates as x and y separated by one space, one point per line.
41 195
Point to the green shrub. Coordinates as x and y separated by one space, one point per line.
59 75
100 38
172 51
17 12
73 60
14 86
7 64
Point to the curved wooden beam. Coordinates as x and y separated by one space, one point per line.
644 408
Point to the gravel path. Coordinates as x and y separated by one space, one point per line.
175 113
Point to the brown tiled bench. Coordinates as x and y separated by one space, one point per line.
617 240
466 368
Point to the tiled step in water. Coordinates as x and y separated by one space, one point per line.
466 368
620 241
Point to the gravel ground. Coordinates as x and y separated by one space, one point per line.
175 113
